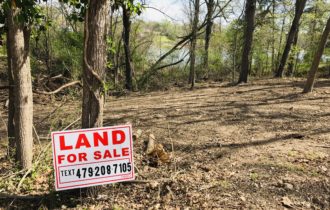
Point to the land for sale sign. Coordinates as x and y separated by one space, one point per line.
90 157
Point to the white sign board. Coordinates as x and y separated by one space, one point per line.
90 157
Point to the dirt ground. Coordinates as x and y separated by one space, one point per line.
262 145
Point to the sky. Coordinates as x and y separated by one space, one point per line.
173 8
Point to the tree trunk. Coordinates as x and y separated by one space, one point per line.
317 57
273 36
126 38
234 56
95 62
208 32
11 105
20 64
267 61
193 44
279 46
299 9
250 9
293 55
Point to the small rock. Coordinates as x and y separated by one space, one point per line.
287 202
280 183
159 116
63 207
306 204
153 185
243 198
102 197
137 134
155 207
324 169
288 186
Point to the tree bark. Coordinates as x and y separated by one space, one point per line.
273 35
95 62
126 38
210 4
299 9
250 9
293 55
279 46
11 105
193 44
317 57
20 64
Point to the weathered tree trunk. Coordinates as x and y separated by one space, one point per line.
11 104
317 57
126 38
293 55
95 62
299 9
267 61
280 45
193 44
250 9
111 55
273 35
208 32
20 64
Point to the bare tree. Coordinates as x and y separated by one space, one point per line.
126 37
250 8
19 37
317 57
273 35
293 55
11 104
210 4
193 43
299 9
95 62
95 59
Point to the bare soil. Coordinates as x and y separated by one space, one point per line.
262 145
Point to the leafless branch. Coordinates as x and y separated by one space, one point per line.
59 89
158 10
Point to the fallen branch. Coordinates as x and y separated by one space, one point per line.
60 76
170 64
322 146
27 197
55 110
147 181
59 89
35 132
71 123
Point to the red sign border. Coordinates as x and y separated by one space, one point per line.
56 173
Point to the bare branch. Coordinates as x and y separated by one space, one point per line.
158 10
59 89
